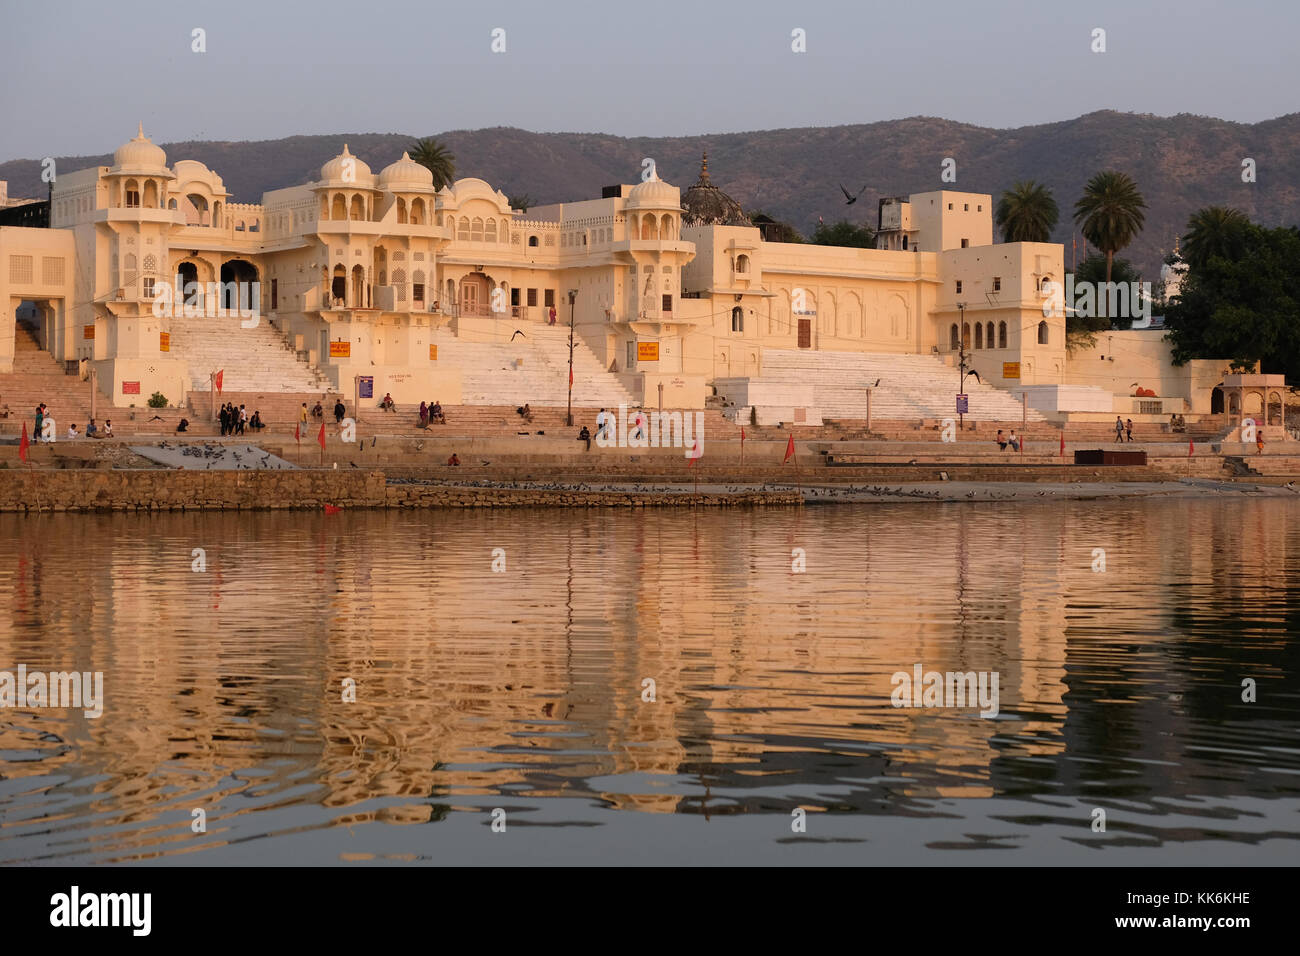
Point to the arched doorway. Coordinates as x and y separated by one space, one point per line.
359 288
1216 401
339 287
238 291
474 294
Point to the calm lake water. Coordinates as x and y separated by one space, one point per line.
524 690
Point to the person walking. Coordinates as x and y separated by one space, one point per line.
1119 429
224 419
40 421
602 424
302 417
424 414
1128 430
243 418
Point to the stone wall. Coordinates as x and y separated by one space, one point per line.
254 491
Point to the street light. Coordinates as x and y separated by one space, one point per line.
568 417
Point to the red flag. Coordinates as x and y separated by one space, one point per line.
332 509
321 437
695 454
789 450
297 435
22 444
1191 447
742 434
218 380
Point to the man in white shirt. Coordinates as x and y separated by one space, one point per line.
72 431
602 422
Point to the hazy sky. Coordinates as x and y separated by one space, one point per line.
78 75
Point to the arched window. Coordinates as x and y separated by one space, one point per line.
905 243
965 335
954 338
1042 333
490 231
358 211
462 229
324 207
979 336
150 194
171 204
399 280
988 335
648 228
338 210
666 227
132 194
401 209
476 229
532 240
742 264
737 319
417 212
1002 335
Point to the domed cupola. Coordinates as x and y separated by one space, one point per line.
140 156
406 175
335 172
706 205
654 193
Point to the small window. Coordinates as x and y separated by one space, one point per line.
905 243
549 298
275 294
959 287
668 303
742 264
532 240
737 319
132 199
979 208
417 294
965 243
997 283
965 207
1042 333
1002 335
514 297
148 288
950 206
532 297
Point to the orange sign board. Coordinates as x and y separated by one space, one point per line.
433 353
340 349
647 351
87 331
164 341
1011 370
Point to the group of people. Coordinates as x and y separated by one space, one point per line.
93 429
1123 430
525 411
1012 440
233 420
430 414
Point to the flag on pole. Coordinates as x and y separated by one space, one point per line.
218 378
742 434
1062 444
695 454
321 437
22 444
1191 447
789 450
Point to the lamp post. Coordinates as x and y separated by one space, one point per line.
961 342
568 417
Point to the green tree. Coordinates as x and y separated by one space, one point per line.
1110 213
521 202
1027 212
434 157
1243 306
1093 270
844 233
1214 231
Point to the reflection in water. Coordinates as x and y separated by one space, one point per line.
474 689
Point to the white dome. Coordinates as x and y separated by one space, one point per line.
654 193
139 154
333 171
406 172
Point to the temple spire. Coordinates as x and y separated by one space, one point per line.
704 168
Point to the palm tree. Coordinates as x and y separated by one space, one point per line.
1027 213
433 156
1110 213
1214 231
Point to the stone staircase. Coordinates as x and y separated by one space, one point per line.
532 369
912 387
38 377
254 360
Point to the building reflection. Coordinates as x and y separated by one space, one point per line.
772 688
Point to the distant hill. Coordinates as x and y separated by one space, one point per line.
1180 163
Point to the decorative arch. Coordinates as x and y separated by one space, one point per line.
954 338
1042 333
1002 335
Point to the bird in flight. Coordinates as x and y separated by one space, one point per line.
517 332
850 198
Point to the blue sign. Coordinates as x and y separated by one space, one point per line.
367 386
963 404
